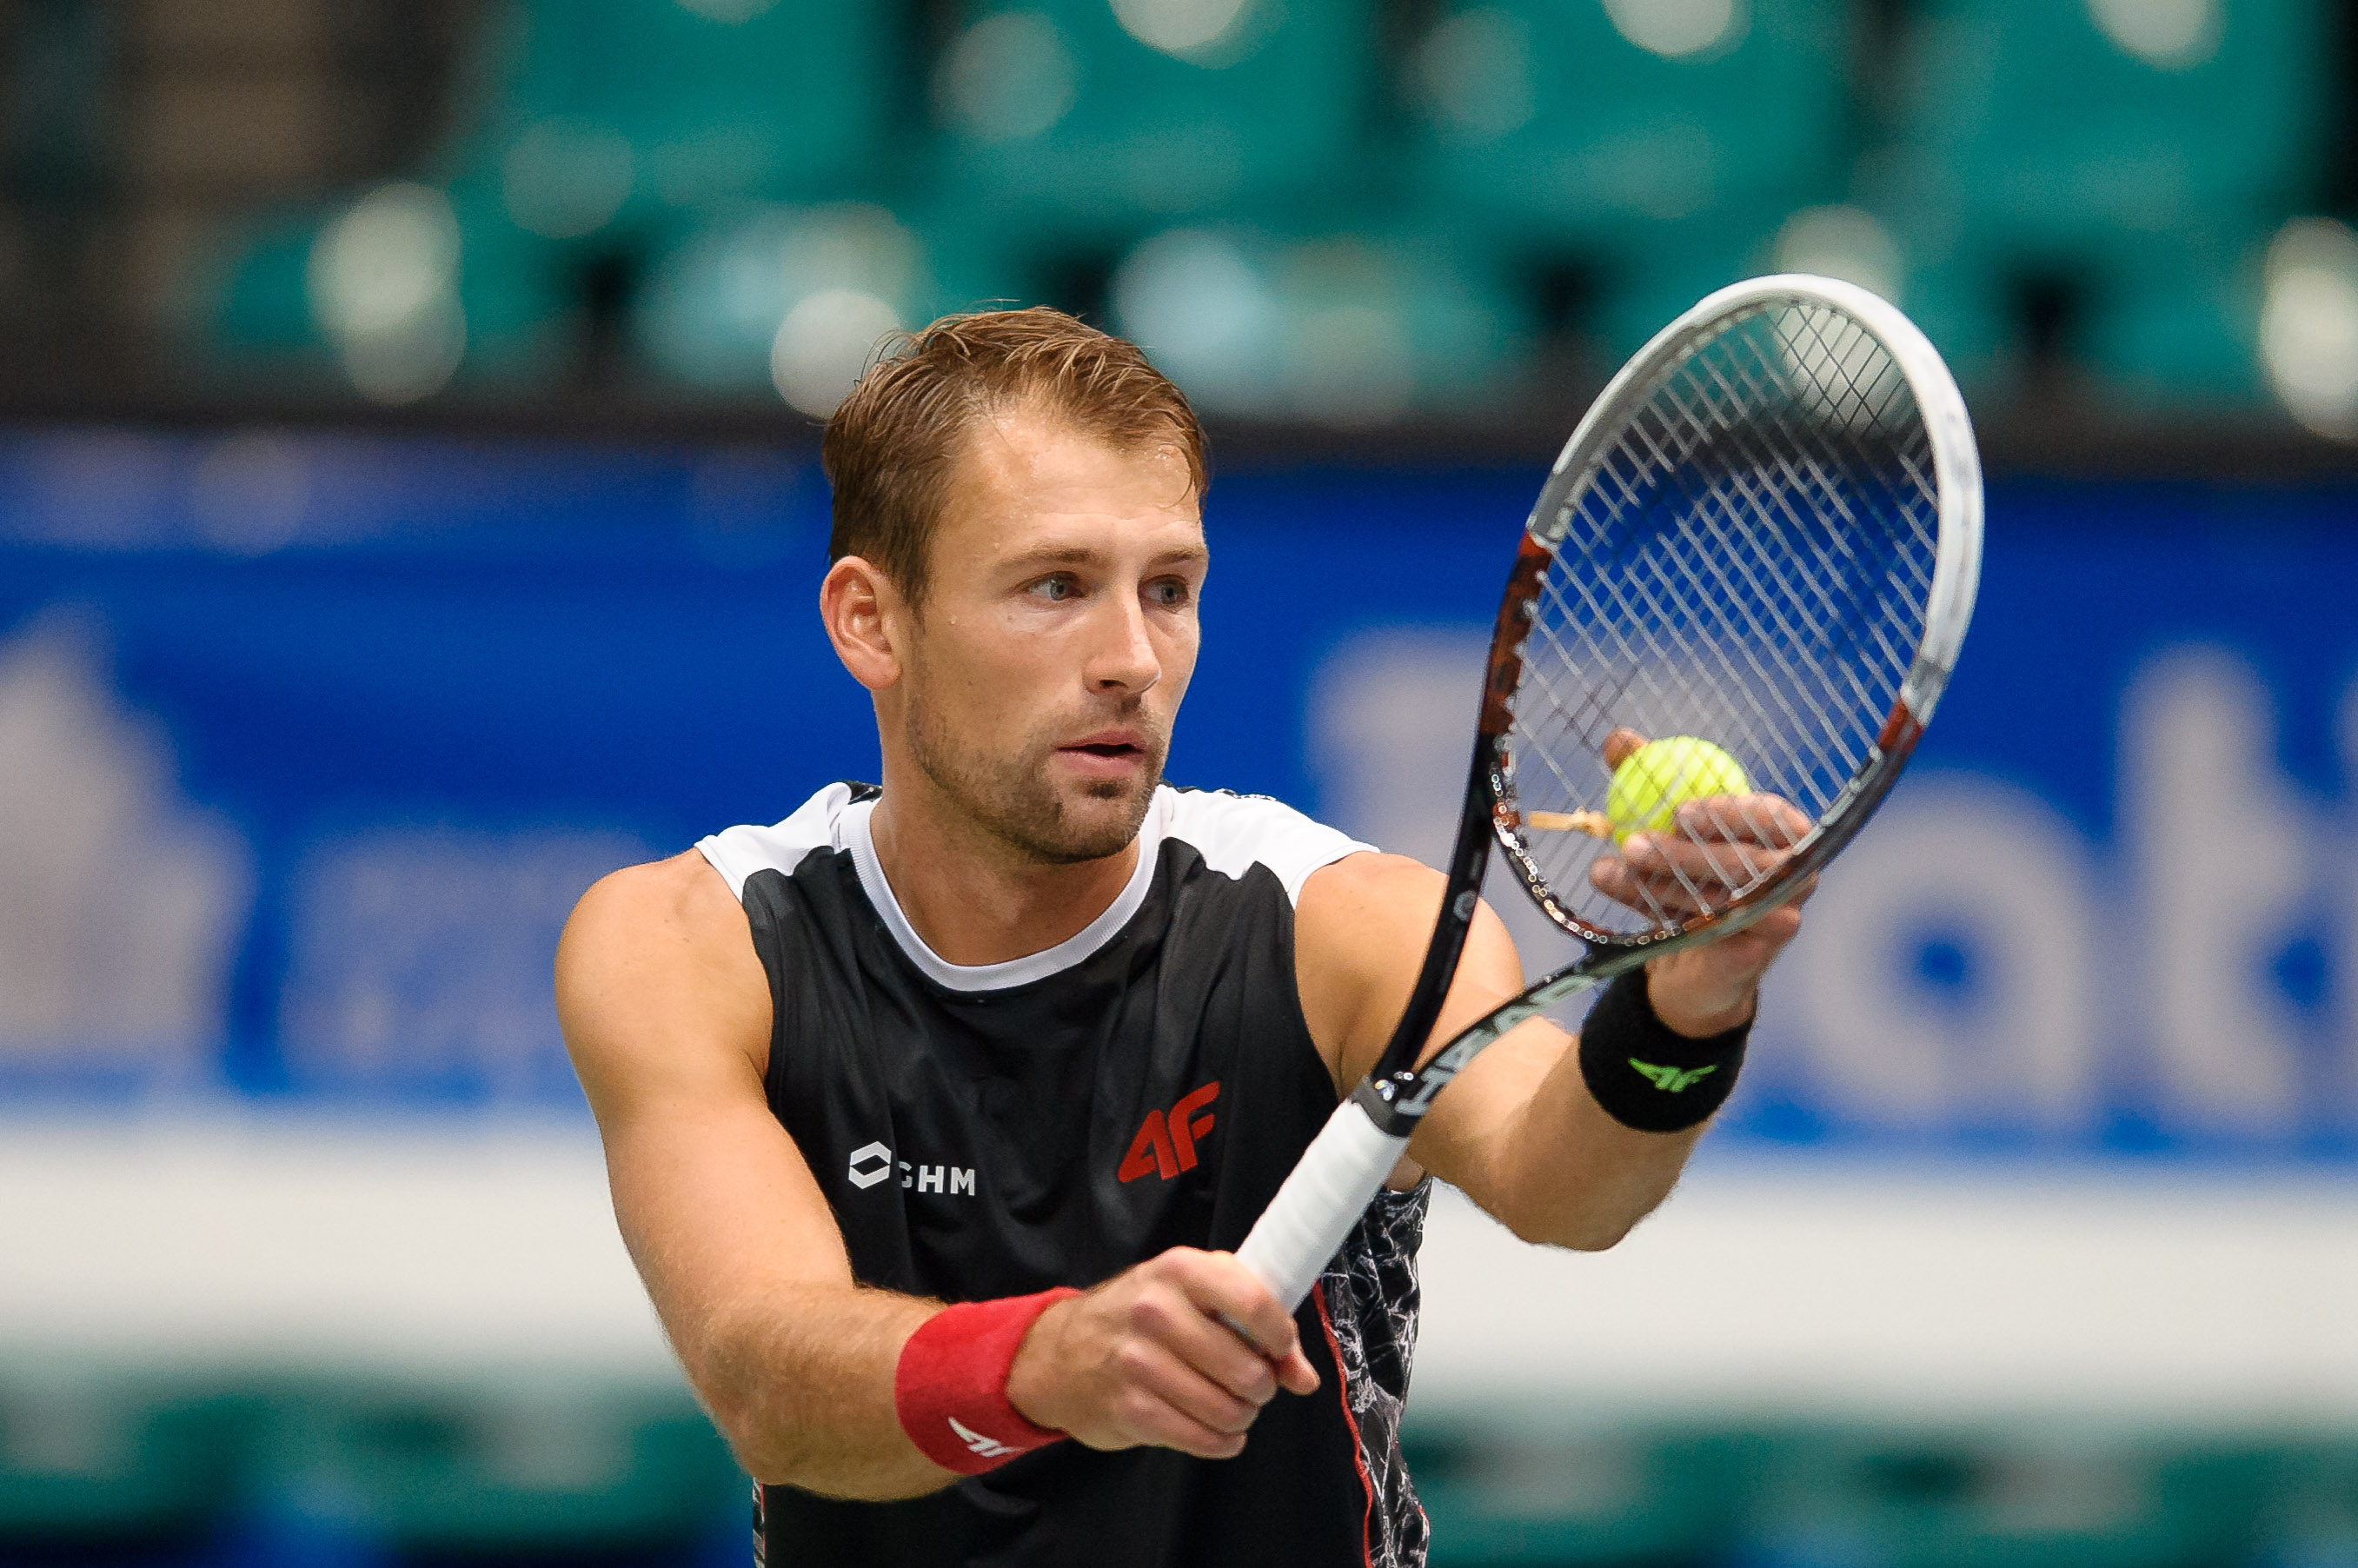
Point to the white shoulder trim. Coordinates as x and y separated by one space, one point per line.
818 824
1235 832
1232 832
1014 971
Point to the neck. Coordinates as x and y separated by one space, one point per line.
974 899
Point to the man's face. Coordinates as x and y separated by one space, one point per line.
1057 636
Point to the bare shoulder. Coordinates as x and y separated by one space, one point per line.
656 974
678 896
1363 927
1371 886
1359 932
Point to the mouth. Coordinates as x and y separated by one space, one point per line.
1108 750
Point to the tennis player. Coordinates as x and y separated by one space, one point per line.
932 1112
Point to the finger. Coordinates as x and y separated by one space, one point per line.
1210 1347
1145 1419
1753 818
1655 900
1224 1288
1670 876
1188 1393
1293 1373
1662 898
1750 951
1740 958
1781 924
1619 746
1668 860
1296 1375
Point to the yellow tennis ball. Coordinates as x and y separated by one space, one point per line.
1655 778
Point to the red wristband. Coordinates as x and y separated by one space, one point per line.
950 1387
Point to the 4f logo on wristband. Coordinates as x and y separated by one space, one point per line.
1672 1080
982 1447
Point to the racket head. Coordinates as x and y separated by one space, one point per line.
1766 533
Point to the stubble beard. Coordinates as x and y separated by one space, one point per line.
1010 798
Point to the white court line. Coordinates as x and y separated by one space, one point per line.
1769 1287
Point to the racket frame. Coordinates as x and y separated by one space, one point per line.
1339 1173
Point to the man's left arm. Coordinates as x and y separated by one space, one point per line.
1518 1130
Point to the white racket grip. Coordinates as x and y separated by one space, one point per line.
1322 1198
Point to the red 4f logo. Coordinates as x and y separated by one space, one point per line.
1167 1144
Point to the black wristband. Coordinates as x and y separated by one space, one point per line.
1648 1076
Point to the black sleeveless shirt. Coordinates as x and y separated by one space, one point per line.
993 1130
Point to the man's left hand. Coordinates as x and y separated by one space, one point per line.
1721 841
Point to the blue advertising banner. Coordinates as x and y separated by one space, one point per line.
308 744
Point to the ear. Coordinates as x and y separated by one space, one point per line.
866 619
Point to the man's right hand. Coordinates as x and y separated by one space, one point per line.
1147 1359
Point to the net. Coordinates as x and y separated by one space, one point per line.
1748 564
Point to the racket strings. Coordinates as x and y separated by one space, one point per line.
1748 564
1808 721
1788 609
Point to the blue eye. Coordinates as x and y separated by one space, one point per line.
1056 589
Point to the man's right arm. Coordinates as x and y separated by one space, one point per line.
667 1011
668 1021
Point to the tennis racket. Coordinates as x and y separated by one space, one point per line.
1766 533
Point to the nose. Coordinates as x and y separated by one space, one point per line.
1124 660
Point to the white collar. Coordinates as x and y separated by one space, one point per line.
1014 971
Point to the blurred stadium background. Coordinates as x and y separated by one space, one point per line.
408 511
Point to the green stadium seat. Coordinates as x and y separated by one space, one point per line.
1638 287
1344 329
797 297
91 1460
254 296
2312 1515
612 109
487 303
2137 157
2156 322
596 132
2030 126
513 1468
2024 1497
1519 1491
1656 146
2177 324
1080 124
1588 118
1555 120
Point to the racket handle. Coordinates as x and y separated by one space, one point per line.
1322 1198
